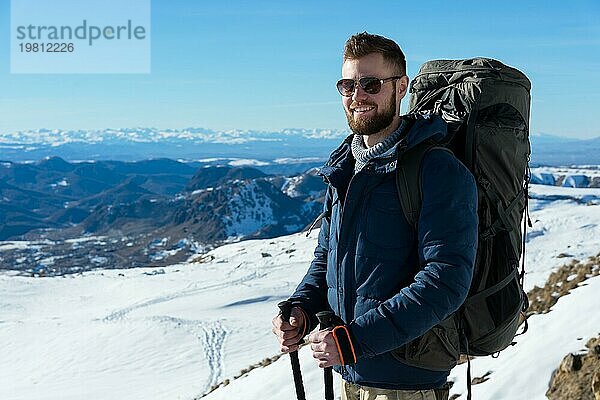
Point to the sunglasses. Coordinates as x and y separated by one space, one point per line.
369 84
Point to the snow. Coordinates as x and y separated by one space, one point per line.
542 178
287 160
276 381
523 371
48 261
14 245
24 244
247 162
114 333
199 191
251 210
32 139
162 254
98 260
589 170
175 332
318 133
158 242
209 160
290 184
576 181
63 182
85 239
562 223
576 176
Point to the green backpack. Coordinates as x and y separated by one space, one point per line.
486 106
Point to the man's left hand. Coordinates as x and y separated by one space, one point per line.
324 348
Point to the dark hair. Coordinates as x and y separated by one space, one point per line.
364 43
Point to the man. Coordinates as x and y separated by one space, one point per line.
387 281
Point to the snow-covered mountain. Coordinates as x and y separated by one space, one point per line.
544 137
176 332
142 203
255 146
575 176
57 137
189 144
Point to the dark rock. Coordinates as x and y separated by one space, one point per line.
571 363
564 255
596 385
480 379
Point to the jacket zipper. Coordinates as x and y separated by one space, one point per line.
367 168
337 261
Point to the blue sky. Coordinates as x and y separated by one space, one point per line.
269 65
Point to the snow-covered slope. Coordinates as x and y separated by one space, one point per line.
521 372
174 332
141 333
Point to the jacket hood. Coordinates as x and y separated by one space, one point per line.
424 127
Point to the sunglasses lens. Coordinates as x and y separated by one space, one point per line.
346 87
370 85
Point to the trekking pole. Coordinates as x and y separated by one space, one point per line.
286 310
327 319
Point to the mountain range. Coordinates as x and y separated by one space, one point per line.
156 212
144 143
147 211
134 144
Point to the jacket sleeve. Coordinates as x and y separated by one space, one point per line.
447 246
311 293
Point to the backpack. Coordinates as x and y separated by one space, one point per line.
486 107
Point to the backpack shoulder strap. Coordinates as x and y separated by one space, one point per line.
408 179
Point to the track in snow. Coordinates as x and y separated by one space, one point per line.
212 338
120 314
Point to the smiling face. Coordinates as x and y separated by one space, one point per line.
373 115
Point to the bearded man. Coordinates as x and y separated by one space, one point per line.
388 281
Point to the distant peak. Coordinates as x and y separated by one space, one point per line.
543 137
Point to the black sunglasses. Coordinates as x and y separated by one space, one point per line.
369 84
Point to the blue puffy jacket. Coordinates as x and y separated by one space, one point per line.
388 282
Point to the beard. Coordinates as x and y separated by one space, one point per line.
375 124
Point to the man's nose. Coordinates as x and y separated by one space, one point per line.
359 93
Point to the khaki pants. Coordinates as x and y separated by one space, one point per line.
356 392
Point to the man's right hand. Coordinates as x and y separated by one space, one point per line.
290 334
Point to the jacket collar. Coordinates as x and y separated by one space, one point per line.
338 170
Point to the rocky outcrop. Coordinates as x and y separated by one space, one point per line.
560 283
578 376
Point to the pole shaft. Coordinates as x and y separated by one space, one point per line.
286 309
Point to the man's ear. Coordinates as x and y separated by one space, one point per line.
402 87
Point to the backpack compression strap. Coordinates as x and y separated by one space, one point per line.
408 179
